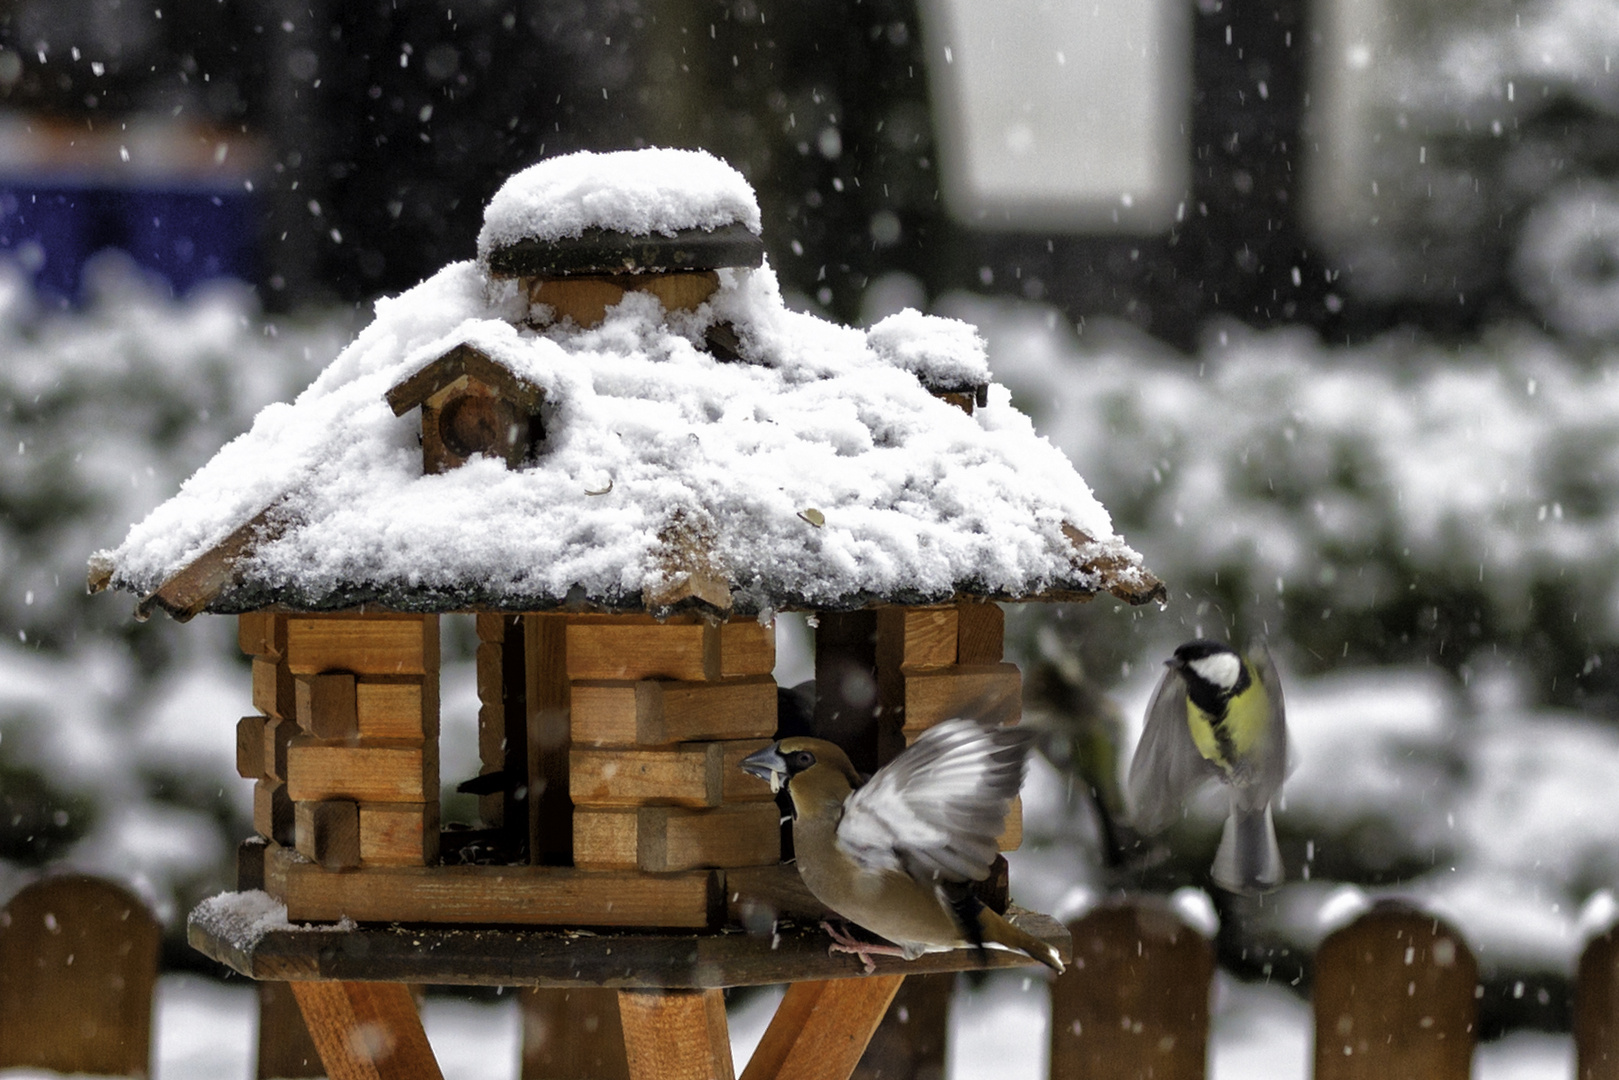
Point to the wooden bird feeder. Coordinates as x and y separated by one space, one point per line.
614 702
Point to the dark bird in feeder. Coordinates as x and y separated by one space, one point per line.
1217 714
896 855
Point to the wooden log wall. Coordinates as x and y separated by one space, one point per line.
345 754
661 717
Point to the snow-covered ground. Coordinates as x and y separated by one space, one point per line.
205 1031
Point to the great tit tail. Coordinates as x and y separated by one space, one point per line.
992 927
1248 860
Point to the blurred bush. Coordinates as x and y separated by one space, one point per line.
115 753
1401 502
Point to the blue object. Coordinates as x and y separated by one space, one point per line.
186 235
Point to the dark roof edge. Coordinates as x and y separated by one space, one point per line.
608 251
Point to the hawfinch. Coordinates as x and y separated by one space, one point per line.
896 854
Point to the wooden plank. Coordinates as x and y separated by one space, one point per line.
508 895
403 707
278 736
1596 1010
274 817
328 833
910 1041
508 808
285 1049
1135 1000
606 839
539 955
78 958
195 585
250 747
980 633
633 650
572 1034
916 637
661 838
676 1034
1394 997
655 712
821 1028
391 772
363 644
399 834
367 1031
326 705
273 688
846 699
990 692
547 700
686 775
260 633
747 648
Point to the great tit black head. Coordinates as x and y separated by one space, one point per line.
1214 673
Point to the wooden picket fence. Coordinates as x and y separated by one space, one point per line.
78 962
1394 996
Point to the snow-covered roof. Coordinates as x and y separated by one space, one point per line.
816 472
629 191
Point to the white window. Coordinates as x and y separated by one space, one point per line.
1061 115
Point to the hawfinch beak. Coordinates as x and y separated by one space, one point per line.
768 765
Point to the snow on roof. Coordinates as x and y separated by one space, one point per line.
942 353
817 472
916 500
632 191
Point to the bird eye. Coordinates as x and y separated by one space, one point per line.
802 760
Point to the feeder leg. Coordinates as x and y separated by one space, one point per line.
676 1034
367 1030
821 1029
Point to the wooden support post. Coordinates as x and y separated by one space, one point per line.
676 1034
546 691
1135 1000
846 691
572 1034
821 1028
1596 1010
1394 997
911 1040
285 1049
367 1031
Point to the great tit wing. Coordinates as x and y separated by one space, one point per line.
936 810
1273 765
1167 766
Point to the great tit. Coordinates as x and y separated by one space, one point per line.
1217 714
895 855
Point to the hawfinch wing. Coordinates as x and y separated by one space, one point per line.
936 810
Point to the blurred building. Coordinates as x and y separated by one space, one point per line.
1348 164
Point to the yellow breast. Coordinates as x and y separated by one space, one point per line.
1243 726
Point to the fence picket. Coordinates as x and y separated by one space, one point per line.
1394 997
1596 1010
1135 1002
78 959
